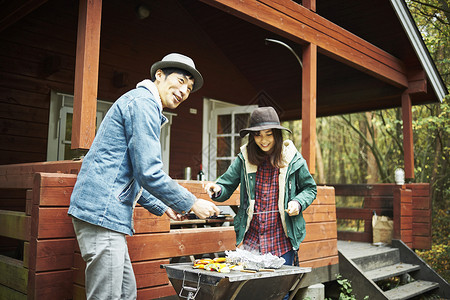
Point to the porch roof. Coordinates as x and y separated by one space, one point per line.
344 84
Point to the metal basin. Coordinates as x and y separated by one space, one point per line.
190 283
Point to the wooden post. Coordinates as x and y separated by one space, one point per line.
86 74
403 215
310 4
421 203
408 144
309 89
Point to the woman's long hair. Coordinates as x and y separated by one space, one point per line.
256 156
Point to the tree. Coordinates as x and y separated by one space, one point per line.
433 20
352 146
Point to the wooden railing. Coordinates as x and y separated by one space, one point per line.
409 205
41 259
34 231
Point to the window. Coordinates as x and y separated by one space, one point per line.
223 121
60 126
165 141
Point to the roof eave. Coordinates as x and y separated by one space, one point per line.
420 48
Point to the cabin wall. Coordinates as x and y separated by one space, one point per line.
38 56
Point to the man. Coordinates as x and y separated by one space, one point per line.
123 167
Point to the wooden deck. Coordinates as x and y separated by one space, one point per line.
354 250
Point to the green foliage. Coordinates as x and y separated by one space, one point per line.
431 129
438 257
350 225
441 227
389 283
346 290
368 147
432 18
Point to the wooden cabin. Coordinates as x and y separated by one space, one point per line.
63 63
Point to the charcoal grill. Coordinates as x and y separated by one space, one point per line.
198 284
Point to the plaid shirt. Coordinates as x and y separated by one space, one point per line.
266 233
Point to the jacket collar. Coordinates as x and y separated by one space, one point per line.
149 85
287 154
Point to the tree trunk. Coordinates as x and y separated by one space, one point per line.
320 171
372 169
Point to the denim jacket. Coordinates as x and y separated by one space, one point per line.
295 183
125 156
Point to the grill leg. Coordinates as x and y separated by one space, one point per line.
236 292
192 291
295 287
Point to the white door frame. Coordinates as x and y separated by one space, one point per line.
211 109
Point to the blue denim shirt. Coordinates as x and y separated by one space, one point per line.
125 156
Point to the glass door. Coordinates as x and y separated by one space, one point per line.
225 141
65 134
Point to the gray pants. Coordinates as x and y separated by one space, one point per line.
109 274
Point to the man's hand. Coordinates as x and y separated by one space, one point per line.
212 188
204 209
173 215
293 208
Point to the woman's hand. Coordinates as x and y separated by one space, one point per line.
293 208
212 188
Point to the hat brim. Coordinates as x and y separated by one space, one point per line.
198 78
245 131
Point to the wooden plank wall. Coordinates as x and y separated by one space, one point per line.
37 56
402 206
20 176
52 241
319 248
421 215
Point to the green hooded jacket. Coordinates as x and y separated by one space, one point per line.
295 183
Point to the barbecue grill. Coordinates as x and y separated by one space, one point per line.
198 284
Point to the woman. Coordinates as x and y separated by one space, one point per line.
275 187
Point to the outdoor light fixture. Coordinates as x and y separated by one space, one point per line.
399 176
142 11
288 47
